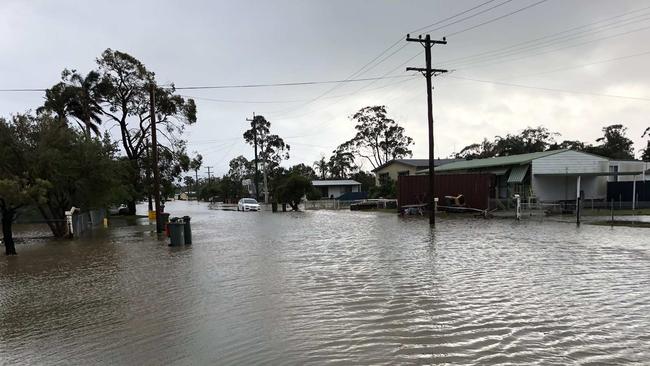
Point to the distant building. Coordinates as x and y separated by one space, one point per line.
398 167
336 188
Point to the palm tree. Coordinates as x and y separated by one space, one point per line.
87 94
321 167
57 101
76 96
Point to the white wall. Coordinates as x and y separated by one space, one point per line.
629 166
336 191
558 187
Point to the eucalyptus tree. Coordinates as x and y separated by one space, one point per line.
341 163
378 138
271 149
126 87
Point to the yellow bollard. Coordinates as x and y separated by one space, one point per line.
105 221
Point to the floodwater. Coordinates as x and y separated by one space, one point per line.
331 287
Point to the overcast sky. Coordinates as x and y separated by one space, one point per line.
249 42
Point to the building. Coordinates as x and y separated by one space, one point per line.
627 166
336 188
399 167
548 176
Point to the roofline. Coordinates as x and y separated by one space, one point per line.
445 167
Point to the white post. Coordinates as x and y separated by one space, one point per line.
68 220
634 193
518 207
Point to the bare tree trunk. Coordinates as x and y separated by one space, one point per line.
7 234
266 185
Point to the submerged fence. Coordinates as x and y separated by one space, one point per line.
84 221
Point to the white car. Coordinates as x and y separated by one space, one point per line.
248 204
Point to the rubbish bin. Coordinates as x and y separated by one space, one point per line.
187 230
176 230
164 217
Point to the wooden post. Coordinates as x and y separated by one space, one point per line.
428 73
154 156
633 193
578 201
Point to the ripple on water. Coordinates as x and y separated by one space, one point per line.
331 287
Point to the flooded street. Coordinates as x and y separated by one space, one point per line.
330 287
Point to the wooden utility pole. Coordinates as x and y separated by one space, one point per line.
209 176
257 174
154 158
428 73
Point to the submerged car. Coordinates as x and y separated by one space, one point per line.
248 204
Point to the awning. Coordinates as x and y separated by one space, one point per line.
518 173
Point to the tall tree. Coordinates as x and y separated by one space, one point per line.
614 144
378 138
126 85
77 96
645 155
528 140
17 187
271 148
303 171
341 163
321 167
195 164
240 168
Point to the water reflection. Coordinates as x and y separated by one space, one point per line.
325 286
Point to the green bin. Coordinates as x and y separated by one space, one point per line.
187 231
176 231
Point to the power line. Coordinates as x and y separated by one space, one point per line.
497 18
463 19
579 66
284 84
516 45
550 89
554 40
244 85
555 49
359 72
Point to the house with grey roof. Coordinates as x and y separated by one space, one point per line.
336 188
398 167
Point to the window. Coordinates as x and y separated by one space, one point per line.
402 173
384 178
613 169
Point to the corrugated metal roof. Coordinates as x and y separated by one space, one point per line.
339 182
518 173
498 161
418 163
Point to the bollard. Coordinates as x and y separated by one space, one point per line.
187 230
176 231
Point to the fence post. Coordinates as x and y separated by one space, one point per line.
612 211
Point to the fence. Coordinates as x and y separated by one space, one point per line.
413 189
328 205
85 221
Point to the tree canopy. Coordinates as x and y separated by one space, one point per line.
378 138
